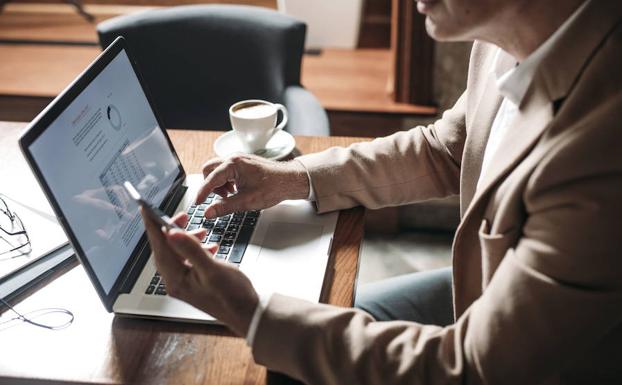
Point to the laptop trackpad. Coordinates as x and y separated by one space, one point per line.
283 235
288 260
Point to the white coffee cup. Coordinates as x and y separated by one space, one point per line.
254 122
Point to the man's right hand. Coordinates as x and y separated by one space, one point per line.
259 183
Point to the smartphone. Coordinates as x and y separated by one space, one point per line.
154 213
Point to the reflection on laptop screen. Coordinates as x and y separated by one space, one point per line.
107 135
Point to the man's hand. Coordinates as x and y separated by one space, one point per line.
259 183
193 276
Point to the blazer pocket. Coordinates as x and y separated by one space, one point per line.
494 246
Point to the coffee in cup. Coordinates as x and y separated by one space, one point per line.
254 122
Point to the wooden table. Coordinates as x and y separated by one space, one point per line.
101 348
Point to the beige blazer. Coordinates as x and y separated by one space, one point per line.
537 258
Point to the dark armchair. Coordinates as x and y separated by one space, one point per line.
198 60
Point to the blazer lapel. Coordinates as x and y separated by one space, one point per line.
522 135
478 132
557 73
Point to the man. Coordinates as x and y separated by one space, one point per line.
532 149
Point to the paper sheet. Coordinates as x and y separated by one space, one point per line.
20 190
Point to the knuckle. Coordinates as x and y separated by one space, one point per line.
236 158
207 166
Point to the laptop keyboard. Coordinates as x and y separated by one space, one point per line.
231 233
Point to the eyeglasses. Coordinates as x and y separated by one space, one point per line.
13 235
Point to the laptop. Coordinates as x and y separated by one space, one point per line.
103 130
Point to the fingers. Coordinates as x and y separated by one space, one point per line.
210 165
211 249
167 264
184 244
181 220
198 233
234 203
219 177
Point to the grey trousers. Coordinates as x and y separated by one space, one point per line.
423 297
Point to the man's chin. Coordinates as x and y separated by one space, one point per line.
440 32
435 31
432 26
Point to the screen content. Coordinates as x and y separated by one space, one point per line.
106 136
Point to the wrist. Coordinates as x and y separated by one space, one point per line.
248 312
297 180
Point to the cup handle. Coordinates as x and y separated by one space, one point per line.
281 125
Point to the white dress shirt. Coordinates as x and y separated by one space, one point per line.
513 86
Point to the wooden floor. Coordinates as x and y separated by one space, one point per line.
36 65
56 22
355 80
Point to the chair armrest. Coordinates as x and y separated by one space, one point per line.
306 115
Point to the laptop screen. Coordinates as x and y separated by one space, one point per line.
108 134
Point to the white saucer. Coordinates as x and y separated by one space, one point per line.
279 146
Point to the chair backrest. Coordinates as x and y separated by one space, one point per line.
197 60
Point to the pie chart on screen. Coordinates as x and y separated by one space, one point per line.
114 117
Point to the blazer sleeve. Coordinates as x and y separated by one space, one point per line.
405 167
555 295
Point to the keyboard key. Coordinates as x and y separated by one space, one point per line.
220 257
226 242
157 274
233 228
150 289
250 221
252 214
218 231
192 227
160 291
196 221
203 207
224 250
155 280
237 252
211 195
215 238
191 210
200 213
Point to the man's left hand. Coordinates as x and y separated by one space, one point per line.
193 276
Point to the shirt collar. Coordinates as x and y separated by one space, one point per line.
514 83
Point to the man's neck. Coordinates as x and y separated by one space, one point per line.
531 25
